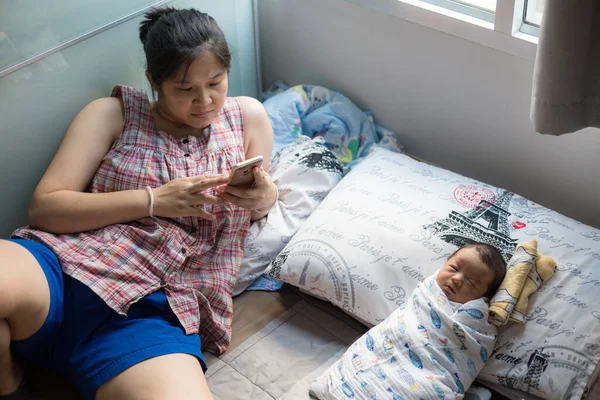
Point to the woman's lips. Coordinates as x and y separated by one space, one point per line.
201 115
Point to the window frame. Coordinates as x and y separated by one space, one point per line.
507 33
529 27
466 9
514 7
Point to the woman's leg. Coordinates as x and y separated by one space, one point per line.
169 377
24 305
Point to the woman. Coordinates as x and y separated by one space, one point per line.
115 285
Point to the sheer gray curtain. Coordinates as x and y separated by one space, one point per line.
566 81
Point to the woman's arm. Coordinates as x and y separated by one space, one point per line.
258 140
59 204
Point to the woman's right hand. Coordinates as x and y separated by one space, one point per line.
183 197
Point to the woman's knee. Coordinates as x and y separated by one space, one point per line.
169 377
24 290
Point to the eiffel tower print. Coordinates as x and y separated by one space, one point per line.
487 223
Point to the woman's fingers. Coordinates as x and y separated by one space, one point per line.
202 183
241 192
259 176
238 201
230 198
249 197
245 192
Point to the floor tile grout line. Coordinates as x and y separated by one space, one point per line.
232 356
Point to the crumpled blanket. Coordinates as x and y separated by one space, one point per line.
526 271
315 111
427 350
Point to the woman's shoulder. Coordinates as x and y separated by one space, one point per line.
252 109
257 127
247 103
108 110
110 105
105 107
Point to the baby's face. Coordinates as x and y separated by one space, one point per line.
465 277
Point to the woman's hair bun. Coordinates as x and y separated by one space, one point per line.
150 19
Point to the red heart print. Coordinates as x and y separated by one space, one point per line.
519 225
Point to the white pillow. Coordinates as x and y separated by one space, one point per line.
304 172
392 221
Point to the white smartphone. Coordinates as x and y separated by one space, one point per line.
242 175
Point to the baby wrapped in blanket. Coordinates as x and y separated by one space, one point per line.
433 346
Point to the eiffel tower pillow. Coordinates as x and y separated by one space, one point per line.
392 221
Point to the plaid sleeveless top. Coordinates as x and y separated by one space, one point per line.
193 260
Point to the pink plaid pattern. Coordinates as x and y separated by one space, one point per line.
195 261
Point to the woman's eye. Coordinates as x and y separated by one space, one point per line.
185 89
216 83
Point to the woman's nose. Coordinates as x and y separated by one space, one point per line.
203 99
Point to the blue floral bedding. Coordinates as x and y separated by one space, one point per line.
315 111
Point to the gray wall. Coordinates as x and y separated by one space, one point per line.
457 104
38 102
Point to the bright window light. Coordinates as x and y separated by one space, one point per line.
489 5
533 12
481 9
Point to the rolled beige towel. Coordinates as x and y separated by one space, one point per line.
526 271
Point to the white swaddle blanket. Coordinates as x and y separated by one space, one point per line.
427 349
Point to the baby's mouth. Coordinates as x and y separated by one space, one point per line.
450 289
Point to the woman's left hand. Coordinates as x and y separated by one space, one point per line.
259 197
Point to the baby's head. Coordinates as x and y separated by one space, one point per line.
475 270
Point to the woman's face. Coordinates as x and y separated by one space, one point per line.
194 98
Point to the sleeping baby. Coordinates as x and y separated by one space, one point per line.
433 346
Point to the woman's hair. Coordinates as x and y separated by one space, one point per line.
492 258
174 38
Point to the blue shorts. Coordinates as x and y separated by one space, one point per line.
88 341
